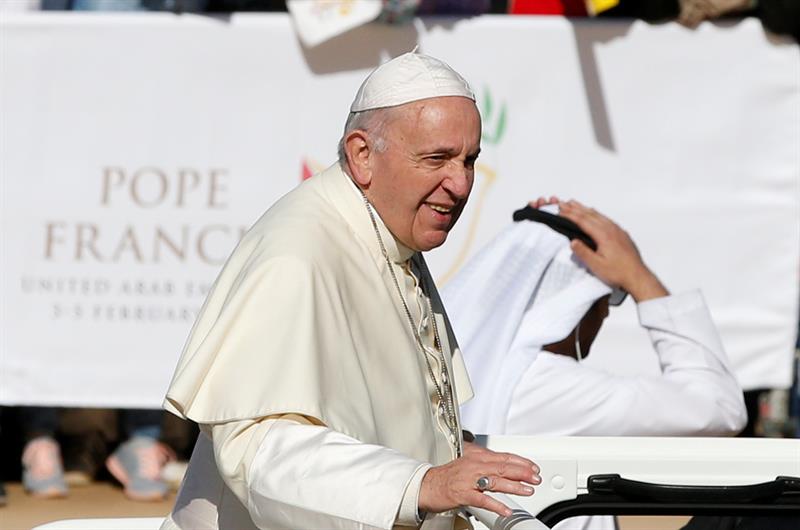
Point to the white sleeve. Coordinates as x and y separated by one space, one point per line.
696 393
311 477
690 353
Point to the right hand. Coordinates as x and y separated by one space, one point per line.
454 485
542 201
617 261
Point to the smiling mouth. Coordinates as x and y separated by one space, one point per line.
440 209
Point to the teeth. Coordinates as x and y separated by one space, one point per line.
440 209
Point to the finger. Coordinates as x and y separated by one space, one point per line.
513 471
518 473
581 209
588 219
691 17
581 216
708 9
712 11
586 255
486 486
502 485
573 208
479 500
492 457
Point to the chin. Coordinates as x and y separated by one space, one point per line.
431 243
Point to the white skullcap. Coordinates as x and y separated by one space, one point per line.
409 77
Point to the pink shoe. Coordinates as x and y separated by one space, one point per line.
137 464
42 470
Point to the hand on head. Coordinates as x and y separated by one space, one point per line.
542 201
617 260
455 484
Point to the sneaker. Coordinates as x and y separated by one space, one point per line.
42 470
137 464
77 478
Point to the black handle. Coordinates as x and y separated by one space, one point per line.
635 490
562 225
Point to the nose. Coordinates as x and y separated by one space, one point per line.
459 180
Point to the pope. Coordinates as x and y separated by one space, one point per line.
322 369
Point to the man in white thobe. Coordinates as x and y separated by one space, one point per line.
528 307
322 369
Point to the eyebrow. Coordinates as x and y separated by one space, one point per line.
450 151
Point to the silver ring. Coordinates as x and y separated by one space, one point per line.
483 483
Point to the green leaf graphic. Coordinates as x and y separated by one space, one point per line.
501 125
488 115
487 102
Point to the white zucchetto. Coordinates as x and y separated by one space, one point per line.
409 77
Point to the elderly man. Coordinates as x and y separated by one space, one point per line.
322 369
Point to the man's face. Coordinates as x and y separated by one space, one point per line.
422 180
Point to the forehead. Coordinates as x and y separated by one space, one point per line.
449 115
440 108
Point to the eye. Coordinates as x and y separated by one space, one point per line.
437 159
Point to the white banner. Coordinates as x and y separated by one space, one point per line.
135 149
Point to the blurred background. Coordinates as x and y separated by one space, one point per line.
140 138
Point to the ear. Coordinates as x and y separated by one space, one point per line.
358 151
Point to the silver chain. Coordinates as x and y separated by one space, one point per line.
446 396
448 387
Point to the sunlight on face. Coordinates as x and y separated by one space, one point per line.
421 181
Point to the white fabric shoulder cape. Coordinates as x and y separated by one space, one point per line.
304 319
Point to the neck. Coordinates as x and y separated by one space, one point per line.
397 251
565 346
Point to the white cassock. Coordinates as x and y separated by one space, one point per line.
532 292
315 403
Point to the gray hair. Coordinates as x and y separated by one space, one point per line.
372 121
